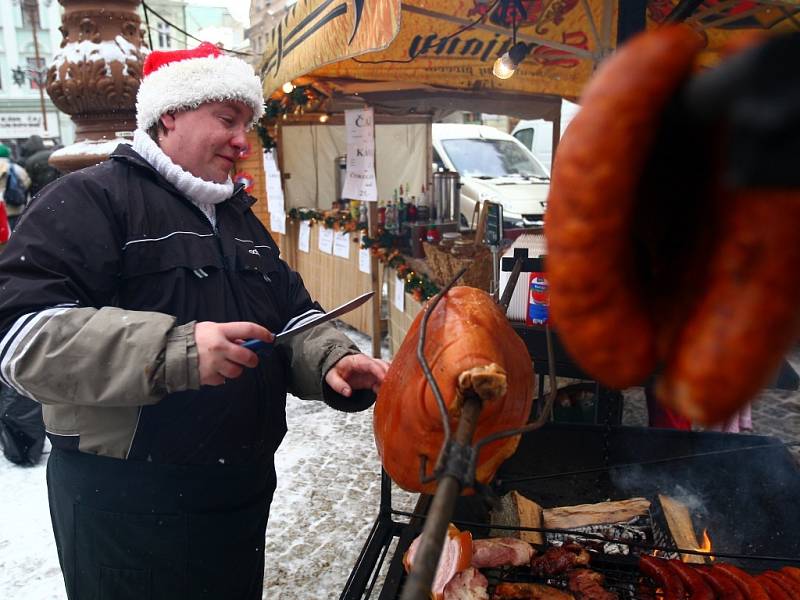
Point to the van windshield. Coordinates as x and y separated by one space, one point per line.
487 159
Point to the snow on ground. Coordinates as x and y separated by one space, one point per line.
325 504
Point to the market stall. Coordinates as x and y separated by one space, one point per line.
338 56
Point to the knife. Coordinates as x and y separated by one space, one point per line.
258 345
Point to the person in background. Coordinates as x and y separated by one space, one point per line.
20 180
129 287
35 158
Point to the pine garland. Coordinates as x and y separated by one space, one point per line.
384 247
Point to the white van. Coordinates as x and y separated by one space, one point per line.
537 134
493 166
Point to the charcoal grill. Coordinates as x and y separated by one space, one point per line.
743 488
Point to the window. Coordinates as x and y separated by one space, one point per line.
26 6
36 73
164 39
526 137
491 159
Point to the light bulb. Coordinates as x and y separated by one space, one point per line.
504 67
287 87
323 118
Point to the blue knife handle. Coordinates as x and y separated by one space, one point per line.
257 345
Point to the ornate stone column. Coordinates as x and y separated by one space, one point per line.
95 75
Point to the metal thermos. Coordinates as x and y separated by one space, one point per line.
446 196
339 175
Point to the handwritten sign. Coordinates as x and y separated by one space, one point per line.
364 261
325 240
275 202
341 244
360 182
277 222
304 237
400 294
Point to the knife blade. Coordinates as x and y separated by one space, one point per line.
258 345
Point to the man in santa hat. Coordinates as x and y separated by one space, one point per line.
127 291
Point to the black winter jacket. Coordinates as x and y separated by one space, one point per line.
108 271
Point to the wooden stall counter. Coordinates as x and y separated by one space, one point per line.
333 267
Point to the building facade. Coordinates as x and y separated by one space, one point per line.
21 113
264 15
163 24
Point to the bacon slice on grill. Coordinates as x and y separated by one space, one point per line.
529 591
470 584
501 552
588 585
560 560
456 556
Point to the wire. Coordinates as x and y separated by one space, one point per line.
441 39
186 33
147 21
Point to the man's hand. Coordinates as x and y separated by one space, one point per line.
356 372
219 350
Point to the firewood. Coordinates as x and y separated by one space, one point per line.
580 515
680 526
518 511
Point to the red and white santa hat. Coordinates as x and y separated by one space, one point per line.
185 79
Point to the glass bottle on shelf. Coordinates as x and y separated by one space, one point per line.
381 215
423 209
391 217
411 210
363 215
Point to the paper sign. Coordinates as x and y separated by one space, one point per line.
274 188
360 182
304 236
325 240
341 244
364 261
400 294
277 222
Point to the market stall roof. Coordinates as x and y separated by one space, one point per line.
416 54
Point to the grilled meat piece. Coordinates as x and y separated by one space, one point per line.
588 585
560 560
693 580
789 585
773 588
466 333
456 556
529 591
470 584
722 583
749 587
500 552
665 577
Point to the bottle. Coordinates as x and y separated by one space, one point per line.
538 300
391 217
363 215
433 236
411 210
423 209
354 210
401 213
381 215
